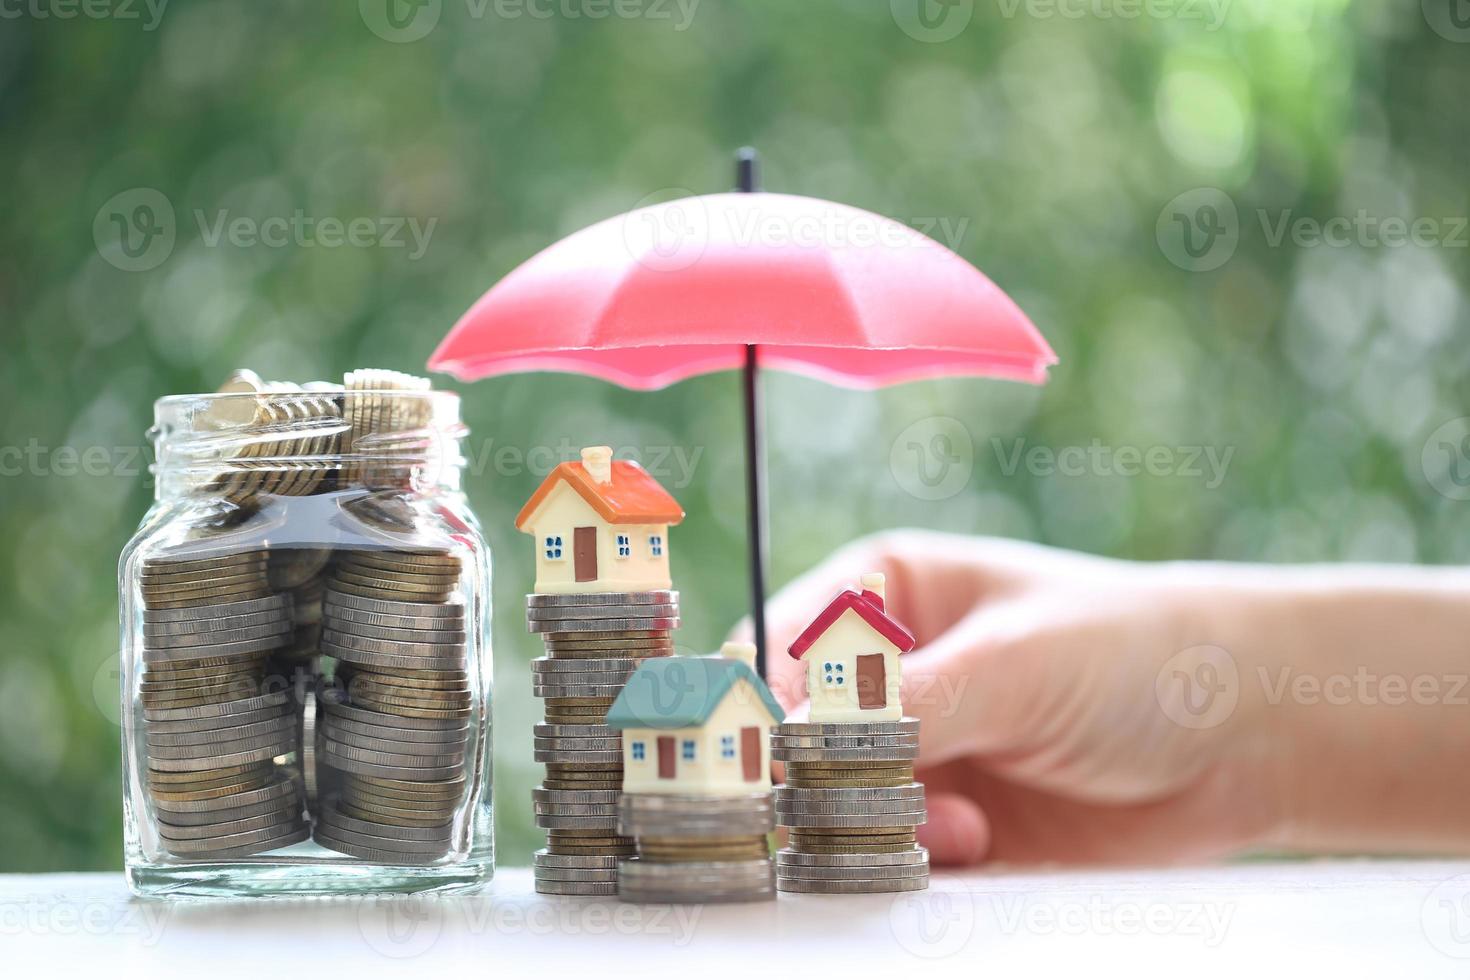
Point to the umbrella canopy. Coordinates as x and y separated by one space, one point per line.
679 289
747 280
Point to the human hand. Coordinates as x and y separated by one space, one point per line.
1042 737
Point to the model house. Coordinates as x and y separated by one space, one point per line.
851 654
697 725
600 525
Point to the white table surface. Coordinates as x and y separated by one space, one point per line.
1311 919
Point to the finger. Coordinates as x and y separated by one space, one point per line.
957 833
943 689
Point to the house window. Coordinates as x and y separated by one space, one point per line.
686 750
656 545
640 751
553 546
832 674
625 546
727 746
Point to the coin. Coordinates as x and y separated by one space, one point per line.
658 597
351 713
392 733
599 613
859 755
216 611
573 626
906 726
273 726
786 884
393 607
270 700
242 845
412 662
789 858
351 620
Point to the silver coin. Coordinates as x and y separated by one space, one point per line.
908 818
195 758
711 806
576 690
607 665
633 649
228 841
836 794
181 832
362 619
275 699
392 745
845 741
542 730
586 678
662 871
395 607
384 634
413 773
545 859
602 625
153 655
271 791
819 887
905 726
896 754
383 660
208 627
794 859
549 821
577 809
372 855
286 805
572 756
271 726
387 836
379 718
366 644
294 836
218 610
587 888
394 733
850 807
594 744
546 873
654 598
609 612
426 760
575 796
811 873
224 636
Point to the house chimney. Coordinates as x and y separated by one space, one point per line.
598 462
872 583
743 652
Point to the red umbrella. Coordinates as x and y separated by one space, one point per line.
747 280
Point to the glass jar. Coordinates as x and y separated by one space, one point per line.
306 669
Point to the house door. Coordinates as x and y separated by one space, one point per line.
666 757
872 681
750 754
584 553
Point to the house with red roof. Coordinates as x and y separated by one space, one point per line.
851 653
600 525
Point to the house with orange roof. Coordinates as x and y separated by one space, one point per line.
851 653
600 525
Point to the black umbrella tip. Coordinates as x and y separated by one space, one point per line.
747 169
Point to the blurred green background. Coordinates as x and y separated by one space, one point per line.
1049 143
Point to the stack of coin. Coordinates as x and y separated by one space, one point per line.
386 437
211 725
852 806
593 643
278 443
697 848
300 573
393 733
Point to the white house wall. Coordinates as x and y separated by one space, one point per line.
561 513
849 636
708 774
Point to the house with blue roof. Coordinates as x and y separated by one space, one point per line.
697 725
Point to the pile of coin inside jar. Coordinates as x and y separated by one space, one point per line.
250 746
851 805
593 641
